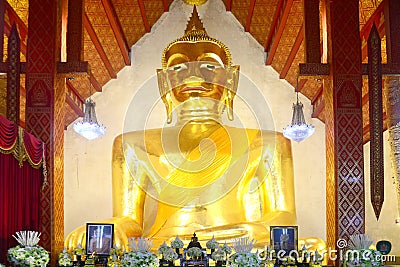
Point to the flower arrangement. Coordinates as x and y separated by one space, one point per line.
177 243
64 258
28 252
140 254
244 260
218 255
163 248
243 256
114 260
360 253
227 249
212 243
170 255
194 252
79 250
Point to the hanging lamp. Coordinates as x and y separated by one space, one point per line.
298 130
88 127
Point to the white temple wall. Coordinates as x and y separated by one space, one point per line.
385 227
88 195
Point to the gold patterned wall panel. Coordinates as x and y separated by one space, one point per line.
154 9
21 8
292 27
240 8
97 65
129 16
367 8
263 15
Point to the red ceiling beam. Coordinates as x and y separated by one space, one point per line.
250 15
144 17
117 29
274 24
293 53
166 6
279 32
95 84
74 99
99 47
229 5
317 103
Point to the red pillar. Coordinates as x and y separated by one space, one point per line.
343 109
45 113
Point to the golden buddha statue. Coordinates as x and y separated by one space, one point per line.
199 175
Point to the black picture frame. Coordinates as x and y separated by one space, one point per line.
284 238
99 238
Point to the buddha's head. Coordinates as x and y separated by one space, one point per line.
197 65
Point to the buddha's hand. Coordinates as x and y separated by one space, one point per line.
124 228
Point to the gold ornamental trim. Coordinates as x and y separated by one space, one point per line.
195 2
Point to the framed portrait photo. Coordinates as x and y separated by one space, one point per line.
284 238
99 238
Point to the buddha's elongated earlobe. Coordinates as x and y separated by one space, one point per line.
230 90
168 106
229 104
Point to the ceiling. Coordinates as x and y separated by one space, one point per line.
111 27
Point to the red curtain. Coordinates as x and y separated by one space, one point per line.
19 198
21 155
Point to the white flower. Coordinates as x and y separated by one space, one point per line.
227 249
163 248
212 243
139 259
194 252
28 256
218 255
177 243
170 255
244 260
64 258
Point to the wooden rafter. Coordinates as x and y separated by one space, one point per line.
293 53
274 24
95 84
76 101
165 5
317 103
99 47
279 32
250 15
144 17
229 5
117 29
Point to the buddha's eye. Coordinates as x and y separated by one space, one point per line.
178 67
209 66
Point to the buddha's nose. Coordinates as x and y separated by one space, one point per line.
194 70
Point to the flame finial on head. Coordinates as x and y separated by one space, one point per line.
196 33
194 23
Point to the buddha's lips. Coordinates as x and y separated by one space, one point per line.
196 88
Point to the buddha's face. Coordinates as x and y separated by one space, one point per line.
196 70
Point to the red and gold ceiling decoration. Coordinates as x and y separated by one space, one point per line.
111 27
